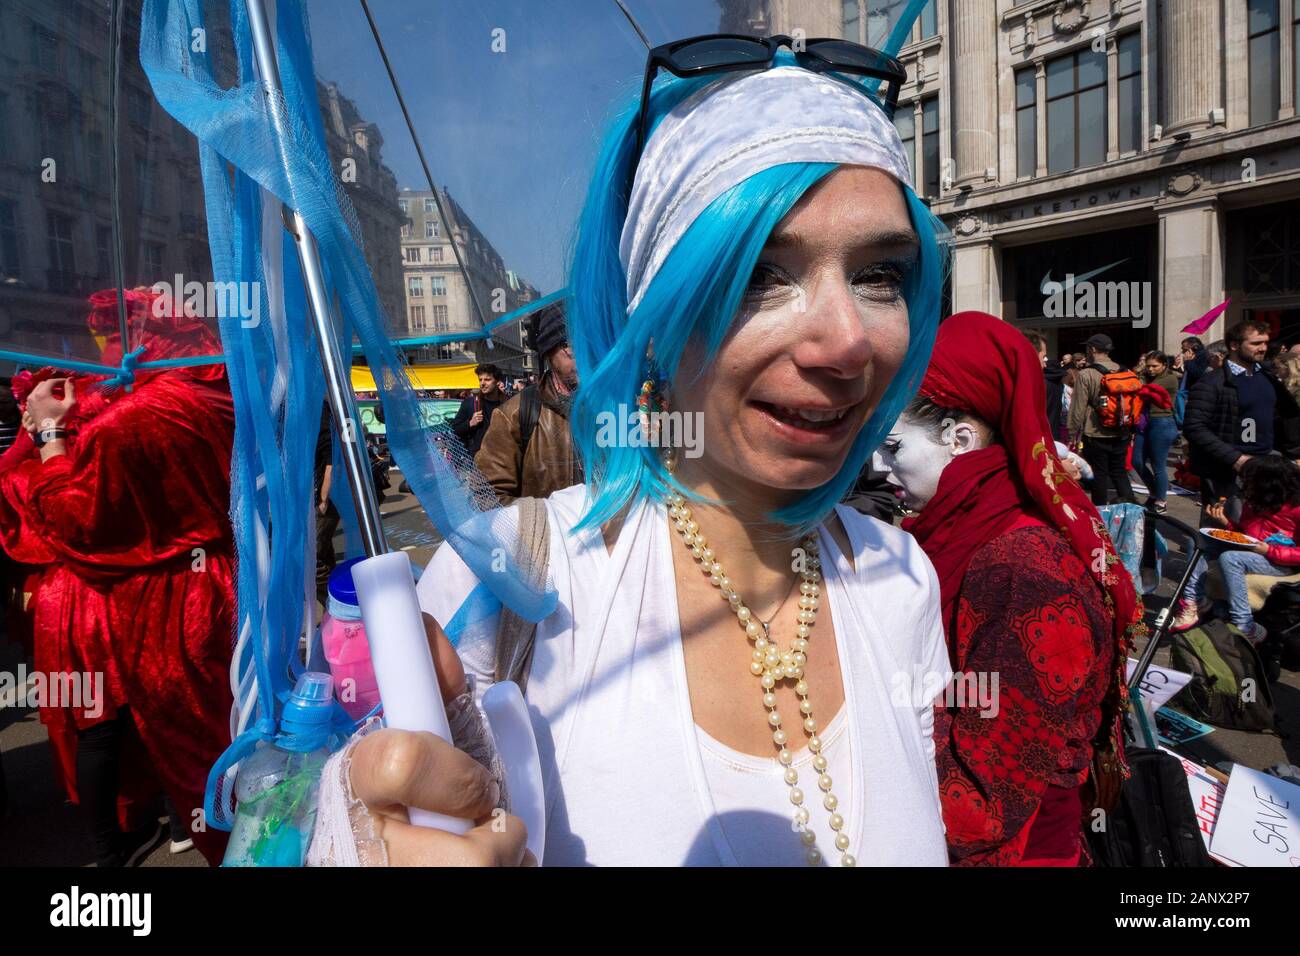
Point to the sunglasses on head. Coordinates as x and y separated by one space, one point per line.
730 52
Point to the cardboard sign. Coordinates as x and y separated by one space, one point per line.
1259 821
1159 684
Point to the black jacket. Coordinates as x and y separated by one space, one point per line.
1054 379
471 436
1213 427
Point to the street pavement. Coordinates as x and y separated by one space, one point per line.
42 829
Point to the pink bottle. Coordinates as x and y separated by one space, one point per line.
343 636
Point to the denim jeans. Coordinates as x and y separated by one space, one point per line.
1235 565
1151 455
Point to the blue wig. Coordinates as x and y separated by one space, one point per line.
696 296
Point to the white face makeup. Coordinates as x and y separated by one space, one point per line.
916 456
821 332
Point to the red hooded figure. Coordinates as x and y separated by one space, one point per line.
1032 593
129 518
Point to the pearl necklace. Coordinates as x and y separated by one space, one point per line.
771 665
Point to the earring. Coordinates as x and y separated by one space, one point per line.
651 402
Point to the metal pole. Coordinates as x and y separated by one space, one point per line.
338 385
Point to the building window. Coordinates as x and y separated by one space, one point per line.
417 317
929 19
416 287
104 253
8 238
437 285
1026 122
1076 111
852 21
404 205
406 230
428 205
930 145
435 253
45 48
905 123
62 260
413 254
153 263
1263 24
1130 92
139 106
142 180
431 230
440 319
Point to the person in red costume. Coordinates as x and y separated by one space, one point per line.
135 505
1032 592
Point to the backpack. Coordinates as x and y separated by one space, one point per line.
1280 617
530 410
1154 823
1221 662
1119 405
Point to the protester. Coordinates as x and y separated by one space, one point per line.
528 450
1236 412
1016 545
1287 368
1195 361
1271 514
1102 417
642 693
137 508
1054 378
476 408
1154 439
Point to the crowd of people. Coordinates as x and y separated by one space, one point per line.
741 669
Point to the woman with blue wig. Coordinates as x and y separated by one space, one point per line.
740 670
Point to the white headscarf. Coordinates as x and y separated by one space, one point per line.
726 132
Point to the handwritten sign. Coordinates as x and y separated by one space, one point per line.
1259 821
1207 799
1159 684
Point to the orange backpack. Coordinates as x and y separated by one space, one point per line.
1119 405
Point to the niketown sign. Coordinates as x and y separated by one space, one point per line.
1080 298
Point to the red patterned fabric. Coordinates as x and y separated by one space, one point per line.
1033 591
1028 612
131 528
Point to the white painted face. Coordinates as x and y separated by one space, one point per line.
916 456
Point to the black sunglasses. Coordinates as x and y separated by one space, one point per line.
729 52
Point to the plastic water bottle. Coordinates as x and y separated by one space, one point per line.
278 785
343 638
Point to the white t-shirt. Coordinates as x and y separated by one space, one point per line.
630 779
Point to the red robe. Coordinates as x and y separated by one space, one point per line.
1027 611
138 510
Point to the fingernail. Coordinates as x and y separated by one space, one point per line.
495 794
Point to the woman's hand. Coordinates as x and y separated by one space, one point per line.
1215 513
1260 547
47 410
396 769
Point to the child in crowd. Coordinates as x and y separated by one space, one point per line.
1271 488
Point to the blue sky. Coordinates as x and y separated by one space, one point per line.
512 134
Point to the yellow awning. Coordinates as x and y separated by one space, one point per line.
421 376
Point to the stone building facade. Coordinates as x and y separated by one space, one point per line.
1153 143
438 299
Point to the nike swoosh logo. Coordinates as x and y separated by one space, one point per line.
1047 279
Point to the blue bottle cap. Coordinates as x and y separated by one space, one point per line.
341 587
307 713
